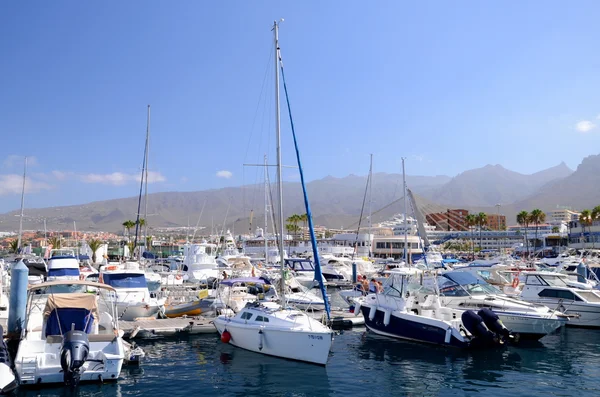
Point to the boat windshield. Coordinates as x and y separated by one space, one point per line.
465 284
125 280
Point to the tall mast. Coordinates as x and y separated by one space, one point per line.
279 177
370 204
405 214
266 213
22 205
146 179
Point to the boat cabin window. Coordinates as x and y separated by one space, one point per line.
246 316
261 318
560 294
125 280
533 280
589 296
554 281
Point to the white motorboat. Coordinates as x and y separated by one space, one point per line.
557 290
235 293
304 271
63 265
67 336
463 291
8 380
398 314
199 265
133 298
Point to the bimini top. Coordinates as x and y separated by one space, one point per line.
248 280
72 301
463 278
70 282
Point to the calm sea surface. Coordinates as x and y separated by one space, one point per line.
563 364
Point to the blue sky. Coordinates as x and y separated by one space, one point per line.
450 85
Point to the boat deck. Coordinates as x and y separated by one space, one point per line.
151 328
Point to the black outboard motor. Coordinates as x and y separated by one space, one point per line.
476 326
492 321
73 354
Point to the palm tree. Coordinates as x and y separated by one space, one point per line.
293 220
131 247
95 244
128 224
55 242
291 228
585 218
14 246
471 221
481 219
304 218
595 216
523 220
555 229
536 217
148 241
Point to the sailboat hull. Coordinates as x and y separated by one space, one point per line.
308 346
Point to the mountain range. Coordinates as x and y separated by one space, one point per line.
337 202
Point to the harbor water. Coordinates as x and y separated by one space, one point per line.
563 364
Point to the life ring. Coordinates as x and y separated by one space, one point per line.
178 277
515 282
111 267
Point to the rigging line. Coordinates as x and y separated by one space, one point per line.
198 222
313 239
361 215
137 219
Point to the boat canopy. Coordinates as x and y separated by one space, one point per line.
64 311
463 278
69 282
248 280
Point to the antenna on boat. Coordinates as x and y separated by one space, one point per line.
22 206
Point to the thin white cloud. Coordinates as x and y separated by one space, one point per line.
13 184
183 179
120 178
60 175
224 174
585 126
15 160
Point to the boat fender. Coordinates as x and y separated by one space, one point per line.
448 335
492 321
515 282
356 309
387 314
260 339
225 336
372 313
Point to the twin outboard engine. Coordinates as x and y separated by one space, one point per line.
486 328
73 354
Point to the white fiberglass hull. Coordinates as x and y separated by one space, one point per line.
584 314
309 346
39 362
8 381
129 311
530 326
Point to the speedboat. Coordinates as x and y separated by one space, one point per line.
199 265
270 329
235 293
559 291
463 291
399 314
67 337
133 298
304 271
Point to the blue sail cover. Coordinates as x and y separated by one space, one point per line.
63 272
125 280
313 239
61 319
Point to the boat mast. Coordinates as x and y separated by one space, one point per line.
370 204
405 213
22 206
146 180
279 177
266 213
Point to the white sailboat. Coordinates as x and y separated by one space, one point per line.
269 328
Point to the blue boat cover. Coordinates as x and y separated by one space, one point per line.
61 319
63 272
148 255
83 257
125 280
463 278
